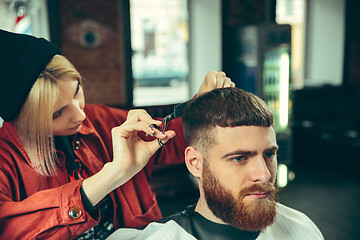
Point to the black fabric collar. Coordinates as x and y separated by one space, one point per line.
63 143
202 228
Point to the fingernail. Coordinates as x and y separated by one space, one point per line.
152 126
163 134
152 130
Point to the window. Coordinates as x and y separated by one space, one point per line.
292 12
160 61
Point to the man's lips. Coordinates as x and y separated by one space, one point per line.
258 195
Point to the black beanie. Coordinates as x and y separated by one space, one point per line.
22 59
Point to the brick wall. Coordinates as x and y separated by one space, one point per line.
102 66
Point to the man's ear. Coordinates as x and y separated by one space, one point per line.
194 161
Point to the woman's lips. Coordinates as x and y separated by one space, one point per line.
76 127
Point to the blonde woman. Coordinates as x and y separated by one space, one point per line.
70 170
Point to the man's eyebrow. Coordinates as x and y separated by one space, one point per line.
240 152
248 153
271 149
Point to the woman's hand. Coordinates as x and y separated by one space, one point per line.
131 153
214 80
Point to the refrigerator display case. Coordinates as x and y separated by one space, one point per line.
261 65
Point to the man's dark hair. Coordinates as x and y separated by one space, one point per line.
223 107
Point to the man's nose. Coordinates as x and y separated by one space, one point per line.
259 171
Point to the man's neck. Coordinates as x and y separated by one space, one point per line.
203 209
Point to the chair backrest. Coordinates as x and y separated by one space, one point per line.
327 107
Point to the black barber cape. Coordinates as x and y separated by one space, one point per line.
202 228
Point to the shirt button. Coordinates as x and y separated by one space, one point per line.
77 144
75 212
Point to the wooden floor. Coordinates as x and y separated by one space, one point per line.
331 201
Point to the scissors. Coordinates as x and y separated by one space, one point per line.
178 111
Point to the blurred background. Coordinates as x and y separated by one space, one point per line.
301 56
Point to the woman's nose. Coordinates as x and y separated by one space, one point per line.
78 112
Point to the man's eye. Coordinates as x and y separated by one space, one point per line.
269 155
239 158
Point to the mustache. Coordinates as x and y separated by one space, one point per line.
258 188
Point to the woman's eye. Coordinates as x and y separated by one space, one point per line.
57 114
77 89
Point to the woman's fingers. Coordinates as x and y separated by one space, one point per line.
220 79
136 115
228 83
140 121
214 79
163 137
128 129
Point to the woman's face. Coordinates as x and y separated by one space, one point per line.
69 108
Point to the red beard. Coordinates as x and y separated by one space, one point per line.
253 216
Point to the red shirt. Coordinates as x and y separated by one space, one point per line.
33 206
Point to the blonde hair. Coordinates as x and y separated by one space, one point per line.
34 123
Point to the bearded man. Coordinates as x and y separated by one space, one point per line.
232 152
